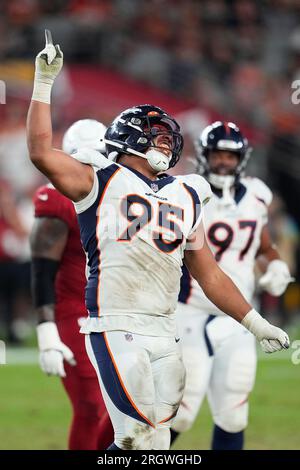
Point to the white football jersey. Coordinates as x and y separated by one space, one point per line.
134 232
233 231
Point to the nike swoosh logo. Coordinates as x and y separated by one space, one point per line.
177 339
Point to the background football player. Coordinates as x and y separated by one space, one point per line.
58 282
219 353
136 227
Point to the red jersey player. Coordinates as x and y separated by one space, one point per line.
58 282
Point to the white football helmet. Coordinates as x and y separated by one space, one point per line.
87 133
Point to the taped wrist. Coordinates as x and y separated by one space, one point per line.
43 273
256 324
42 88
47 336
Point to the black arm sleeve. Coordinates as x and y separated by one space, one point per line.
43 273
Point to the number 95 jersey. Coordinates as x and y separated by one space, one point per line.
233 231
134 232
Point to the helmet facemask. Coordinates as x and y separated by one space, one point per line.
134 133
213 139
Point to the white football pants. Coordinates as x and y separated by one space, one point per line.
219 355
142 381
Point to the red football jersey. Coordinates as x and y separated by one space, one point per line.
70 279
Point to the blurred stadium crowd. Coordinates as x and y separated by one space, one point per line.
229 59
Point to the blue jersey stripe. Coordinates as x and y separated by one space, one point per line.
111 380
88 226
196 202
185 285
210 349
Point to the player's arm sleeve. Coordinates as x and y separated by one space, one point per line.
47 241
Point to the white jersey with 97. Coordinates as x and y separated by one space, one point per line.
233 231
134 232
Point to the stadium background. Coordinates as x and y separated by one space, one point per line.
200 60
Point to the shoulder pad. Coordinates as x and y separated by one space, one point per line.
199 184
259 189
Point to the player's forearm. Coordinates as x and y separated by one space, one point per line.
43 274
39 131
220 290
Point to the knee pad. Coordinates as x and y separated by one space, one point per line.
197 379
170 387
169 393
229 403
233 420
191 402
141 437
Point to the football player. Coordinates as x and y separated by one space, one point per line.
58 282
136 226
219 353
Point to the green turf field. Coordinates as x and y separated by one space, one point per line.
34 411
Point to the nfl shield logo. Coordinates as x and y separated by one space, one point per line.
128 337
154 187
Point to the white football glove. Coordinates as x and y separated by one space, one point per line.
271 337
53 351
48 64
276 278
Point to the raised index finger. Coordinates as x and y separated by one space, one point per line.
48 37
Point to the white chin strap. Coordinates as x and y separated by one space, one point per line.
157 160
224 182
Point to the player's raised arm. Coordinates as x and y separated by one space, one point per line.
220 289
70 177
